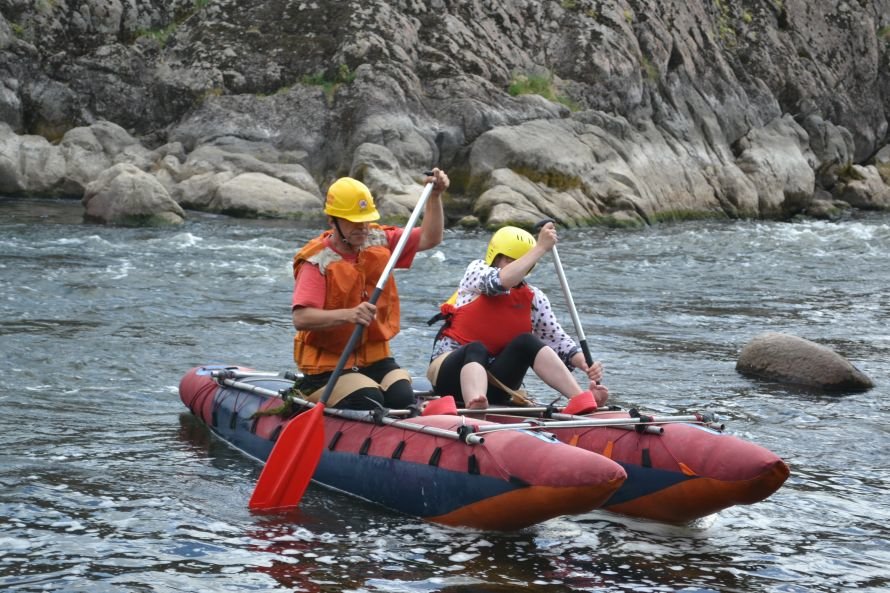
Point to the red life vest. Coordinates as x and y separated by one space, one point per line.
493 320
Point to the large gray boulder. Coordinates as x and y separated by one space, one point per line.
90 150
789 359
865 189
126 195
29 164
258 195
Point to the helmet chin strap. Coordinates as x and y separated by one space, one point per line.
343 238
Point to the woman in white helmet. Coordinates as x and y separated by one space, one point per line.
334 277
497 326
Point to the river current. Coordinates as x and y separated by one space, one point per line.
107 484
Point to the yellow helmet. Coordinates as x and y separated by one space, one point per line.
350 199
510 241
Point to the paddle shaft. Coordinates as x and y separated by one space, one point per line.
582 340
589 422
570 302
381 282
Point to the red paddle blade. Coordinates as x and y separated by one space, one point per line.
291 463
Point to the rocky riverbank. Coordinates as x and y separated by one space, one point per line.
615 112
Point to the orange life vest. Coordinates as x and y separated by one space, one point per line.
493 320
346 285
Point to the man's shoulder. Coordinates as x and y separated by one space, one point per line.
381 235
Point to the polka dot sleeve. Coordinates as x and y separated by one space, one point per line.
547 327
479 278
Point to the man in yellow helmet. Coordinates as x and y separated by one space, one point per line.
334 276
498 326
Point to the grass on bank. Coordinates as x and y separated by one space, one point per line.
539 84
330 84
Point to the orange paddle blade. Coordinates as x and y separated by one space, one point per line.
291 463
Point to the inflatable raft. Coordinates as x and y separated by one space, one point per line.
677 472
424 466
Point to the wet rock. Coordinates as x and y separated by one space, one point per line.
865 189
126 195
789 359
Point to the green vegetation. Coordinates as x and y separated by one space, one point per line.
532 84
576 6
553 179
278 91
619 222
330 84
159 35
17 29
345 74
624 219
650 69
680 215
884 33
848 172
725 30
539 84
211 92
163 35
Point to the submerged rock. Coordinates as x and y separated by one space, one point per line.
790 359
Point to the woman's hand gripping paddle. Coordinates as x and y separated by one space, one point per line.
297 451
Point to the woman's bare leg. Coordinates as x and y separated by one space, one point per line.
554 372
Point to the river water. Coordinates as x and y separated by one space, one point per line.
107 484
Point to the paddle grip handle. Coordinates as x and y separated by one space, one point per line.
540 224
586 350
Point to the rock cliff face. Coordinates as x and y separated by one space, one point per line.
624 112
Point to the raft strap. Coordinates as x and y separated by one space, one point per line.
473 465
434 458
